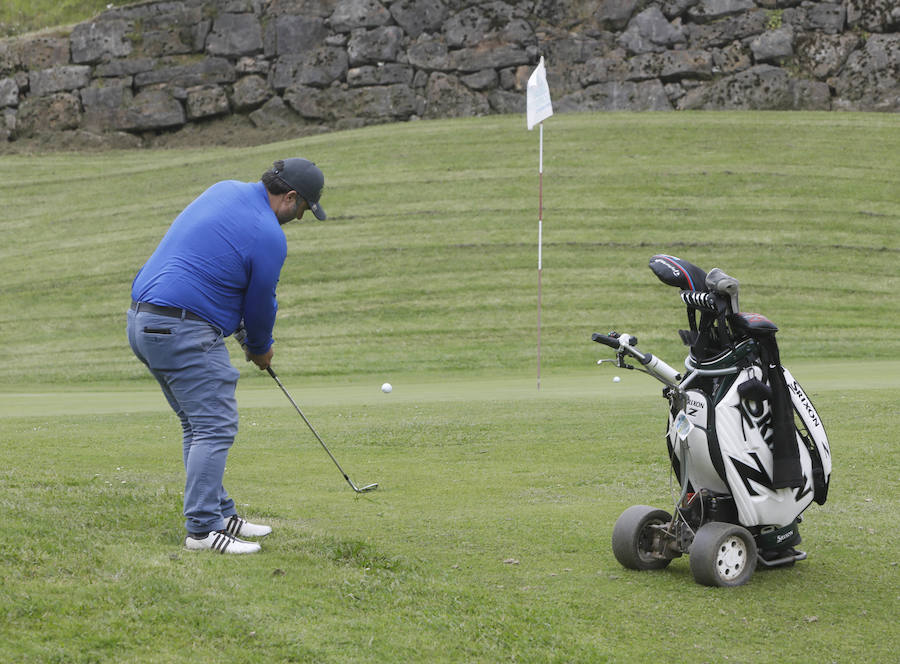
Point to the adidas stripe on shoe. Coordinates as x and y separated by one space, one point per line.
220 542
236 526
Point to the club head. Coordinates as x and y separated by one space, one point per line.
368 487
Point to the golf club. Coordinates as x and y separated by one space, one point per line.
240 336
368 487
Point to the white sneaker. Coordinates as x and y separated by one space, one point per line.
220 542
235 525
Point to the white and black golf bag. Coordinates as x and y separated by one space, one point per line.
744 440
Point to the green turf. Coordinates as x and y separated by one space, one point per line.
429 260
488 538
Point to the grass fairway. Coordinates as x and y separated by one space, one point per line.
488 538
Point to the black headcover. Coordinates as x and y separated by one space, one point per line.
704 338
677 272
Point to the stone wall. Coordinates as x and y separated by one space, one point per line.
157 66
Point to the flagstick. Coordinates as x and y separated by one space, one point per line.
537 109
540 244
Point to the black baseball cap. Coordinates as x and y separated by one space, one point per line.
304 177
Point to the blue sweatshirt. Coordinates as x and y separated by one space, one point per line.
221 259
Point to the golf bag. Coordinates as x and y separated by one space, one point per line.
744 440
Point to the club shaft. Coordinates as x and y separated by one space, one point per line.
316 433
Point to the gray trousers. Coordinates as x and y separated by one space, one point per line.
190 361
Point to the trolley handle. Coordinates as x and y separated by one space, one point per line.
625 344
611 340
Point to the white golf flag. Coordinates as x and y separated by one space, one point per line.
538 104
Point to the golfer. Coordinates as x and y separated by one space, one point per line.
217 267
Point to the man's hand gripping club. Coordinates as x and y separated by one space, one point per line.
262 361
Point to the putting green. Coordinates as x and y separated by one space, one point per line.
257 392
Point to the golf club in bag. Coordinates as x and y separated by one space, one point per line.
745 443
240 335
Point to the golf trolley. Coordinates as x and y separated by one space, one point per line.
745 443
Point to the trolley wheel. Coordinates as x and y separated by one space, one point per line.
723 554
635 543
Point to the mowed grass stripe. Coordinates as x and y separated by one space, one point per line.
429 257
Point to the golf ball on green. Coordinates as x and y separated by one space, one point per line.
616 379
386 388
